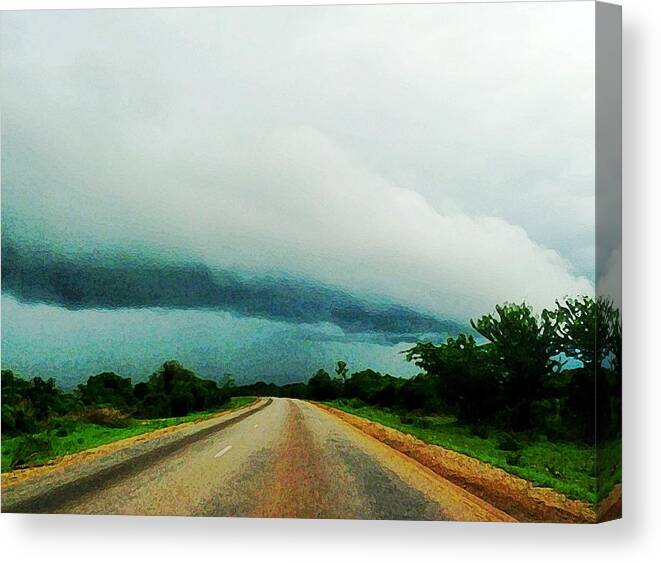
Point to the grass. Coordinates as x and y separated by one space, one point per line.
82 435
569 468
609 466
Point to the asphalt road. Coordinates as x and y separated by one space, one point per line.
287 459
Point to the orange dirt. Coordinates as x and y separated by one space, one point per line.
513 495
611 507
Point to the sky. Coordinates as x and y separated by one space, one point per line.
265 191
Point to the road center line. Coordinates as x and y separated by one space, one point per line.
223 451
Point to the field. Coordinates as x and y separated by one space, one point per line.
68 435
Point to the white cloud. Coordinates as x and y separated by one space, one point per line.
439 156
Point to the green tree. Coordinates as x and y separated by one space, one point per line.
575 327
108 389
525 347
589 331
28 405
466 378
342 370
174 390
322 388
364 385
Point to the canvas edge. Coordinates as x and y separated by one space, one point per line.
608 199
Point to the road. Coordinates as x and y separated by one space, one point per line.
287 459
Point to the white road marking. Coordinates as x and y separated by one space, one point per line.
223 451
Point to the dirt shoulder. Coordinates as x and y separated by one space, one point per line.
515 496
72 461
610 508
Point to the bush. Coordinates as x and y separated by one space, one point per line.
107 389
63 426
407 418
513 458
174 390
107 416
29 448
355 403
481 431
424 422
507 442
27 405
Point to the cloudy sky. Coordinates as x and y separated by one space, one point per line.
264 191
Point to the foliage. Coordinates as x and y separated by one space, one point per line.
106 416
174 390
30 406
342 370
321 387
523 356
465 377
27 405
29 448
71 434
108 389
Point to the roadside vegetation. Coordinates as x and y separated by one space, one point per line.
41 422
568 467
519 392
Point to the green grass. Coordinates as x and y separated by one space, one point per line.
82 435
569 468
609 467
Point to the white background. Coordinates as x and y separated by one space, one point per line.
635 538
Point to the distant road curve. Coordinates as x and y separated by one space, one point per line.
280 458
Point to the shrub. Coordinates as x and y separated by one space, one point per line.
106 416
481 431
62 426
355 403
423 422
29 448
507 442
107 389
513 458
407 418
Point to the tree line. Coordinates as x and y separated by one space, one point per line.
172 390
558 373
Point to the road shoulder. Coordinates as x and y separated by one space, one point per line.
22 491
513 495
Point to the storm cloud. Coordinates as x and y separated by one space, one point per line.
393 170
44 278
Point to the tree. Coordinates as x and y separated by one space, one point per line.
322 388
609 329
525 347
575 326
108 389
342 370
174 390
465 378
589 331
364 385
28 405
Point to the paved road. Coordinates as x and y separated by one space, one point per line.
287 459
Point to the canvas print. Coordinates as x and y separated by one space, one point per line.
335 262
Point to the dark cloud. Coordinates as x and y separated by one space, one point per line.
77 283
